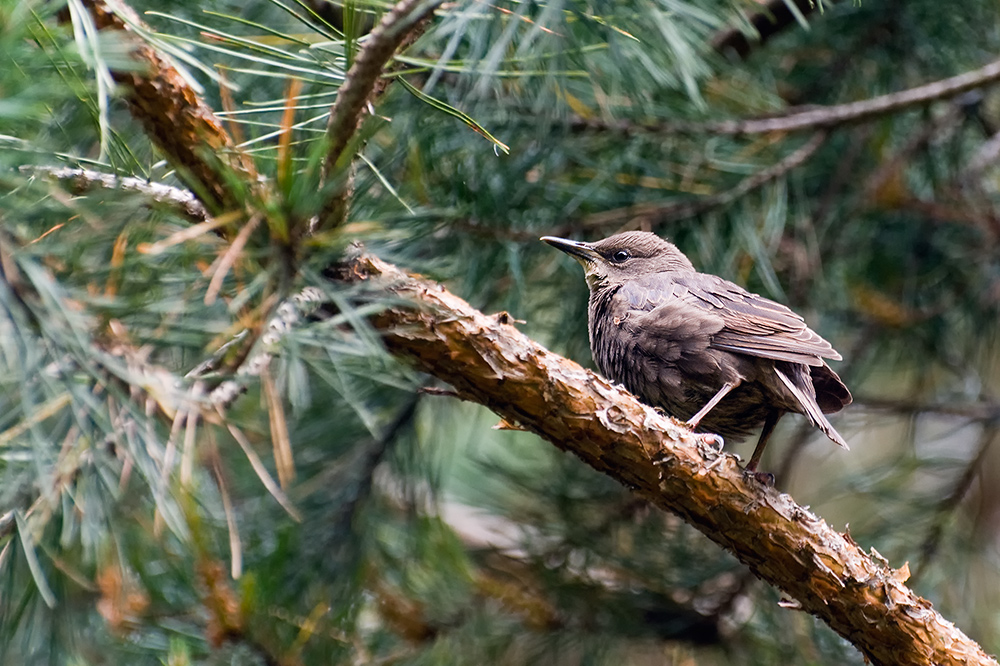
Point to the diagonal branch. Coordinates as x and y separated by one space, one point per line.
359 84
817 117
932 542
659 212
825 572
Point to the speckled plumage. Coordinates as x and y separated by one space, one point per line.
676 337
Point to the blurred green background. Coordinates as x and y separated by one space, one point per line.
421 534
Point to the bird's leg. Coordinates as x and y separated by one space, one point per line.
726 388
770 421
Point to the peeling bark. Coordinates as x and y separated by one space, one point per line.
822 570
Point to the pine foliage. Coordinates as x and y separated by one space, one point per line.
206 456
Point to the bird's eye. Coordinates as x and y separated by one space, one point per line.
621 256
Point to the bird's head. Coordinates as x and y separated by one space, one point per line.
622 257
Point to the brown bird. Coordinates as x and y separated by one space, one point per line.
700 347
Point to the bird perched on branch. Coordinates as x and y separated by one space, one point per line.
700 347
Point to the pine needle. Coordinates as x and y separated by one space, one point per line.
220 268
285 139
262 473
31 557
280 439
235 545
188 233
37 415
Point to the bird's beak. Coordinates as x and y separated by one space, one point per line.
582 252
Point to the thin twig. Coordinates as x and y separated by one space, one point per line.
817 117
657 213
82 180
436 390
286 316
981 411
359 84
932 542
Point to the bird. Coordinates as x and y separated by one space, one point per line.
700 347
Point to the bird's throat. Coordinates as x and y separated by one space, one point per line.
595 280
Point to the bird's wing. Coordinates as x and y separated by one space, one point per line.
663 326
751 324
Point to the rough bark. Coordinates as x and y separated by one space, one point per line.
821 570
182 126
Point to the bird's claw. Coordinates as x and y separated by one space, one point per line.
715 442
763 478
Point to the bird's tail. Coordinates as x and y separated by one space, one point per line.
811 408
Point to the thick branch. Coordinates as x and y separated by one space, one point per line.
824 571
178 121
359 84
818 117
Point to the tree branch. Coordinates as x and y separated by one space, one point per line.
976 411
80 181
816 117
824 571
659 212
178 121
359 84
932 541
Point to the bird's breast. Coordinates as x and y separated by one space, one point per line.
677 375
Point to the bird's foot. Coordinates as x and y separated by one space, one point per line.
504 317
712 441
763 478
